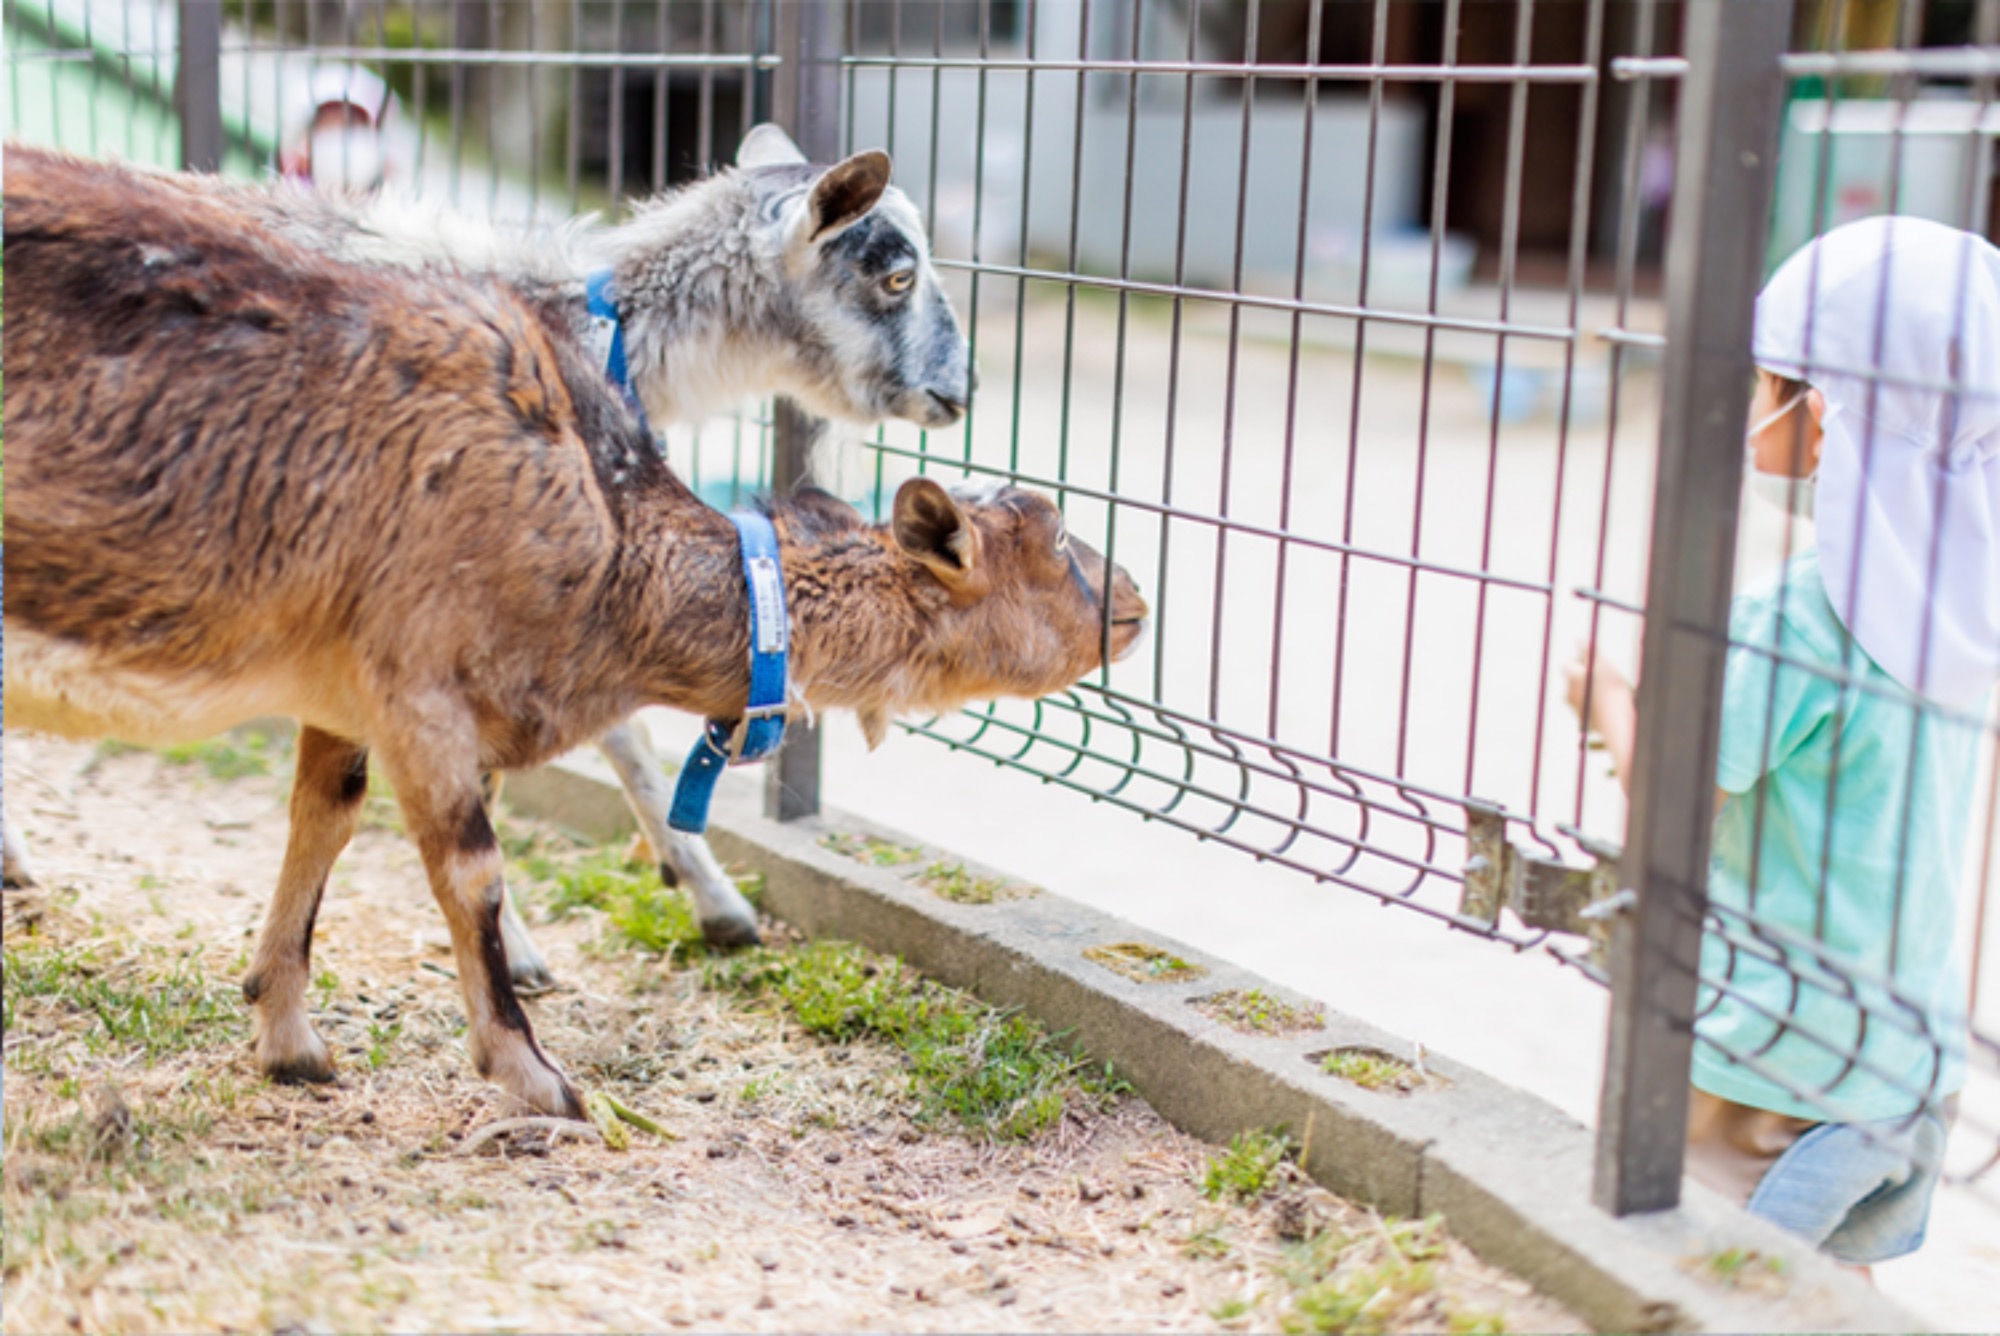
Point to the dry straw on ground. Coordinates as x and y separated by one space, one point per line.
155 1183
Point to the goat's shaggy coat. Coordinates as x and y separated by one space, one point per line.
248 478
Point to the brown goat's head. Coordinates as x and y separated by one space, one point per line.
1023 612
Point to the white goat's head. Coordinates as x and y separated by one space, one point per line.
876 335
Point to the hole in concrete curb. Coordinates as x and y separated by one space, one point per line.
870 850
1376 1069
1146 964
950 881
1254 1011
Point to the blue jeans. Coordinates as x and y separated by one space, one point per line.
1860 1192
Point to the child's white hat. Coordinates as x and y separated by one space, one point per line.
1896 321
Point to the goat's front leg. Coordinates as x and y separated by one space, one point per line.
437 783
14 869
328 786
727 919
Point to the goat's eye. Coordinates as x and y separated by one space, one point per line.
1062 544
901 281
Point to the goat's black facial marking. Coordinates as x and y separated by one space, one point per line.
475 832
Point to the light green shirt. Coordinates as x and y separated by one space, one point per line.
1865 798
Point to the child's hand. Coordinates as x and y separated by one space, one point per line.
1613 717
1601 682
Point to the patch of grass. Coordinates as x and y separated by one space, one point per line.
1146 964
109 749
1363 1285
1247 1168
1740 1267
638 911
1361 1302
991 1071
1254 1011
870 850
950 881
1371 1069
135 1004
236 755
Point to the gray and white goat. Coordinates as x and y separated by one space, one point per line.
776 277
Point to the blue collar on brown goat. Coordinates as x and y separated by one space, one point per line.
761 730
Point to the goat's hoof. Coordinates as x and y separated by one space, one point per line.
306 1064
730 933
531 978
16 876
291 1051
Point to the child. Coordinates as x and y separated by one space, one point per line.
1830 1020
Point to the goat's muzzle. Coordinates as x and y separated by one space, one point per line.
1128 616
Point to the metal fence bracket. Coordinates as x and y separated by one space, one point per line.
1543 892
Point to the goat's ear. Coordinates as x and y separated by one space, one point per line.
845 192
932 527
874 725
768 146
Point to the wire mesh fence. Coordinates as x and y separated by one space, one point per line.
1341 327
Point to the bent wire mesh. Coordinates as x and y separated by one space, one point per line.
1231 307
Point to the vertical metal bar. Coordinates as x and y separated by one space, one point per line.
198 85
806 103
1725 170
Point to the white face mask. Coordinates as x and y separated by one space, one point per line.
347 158
1792 494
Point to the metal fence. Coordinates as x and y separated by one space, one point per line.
1341 326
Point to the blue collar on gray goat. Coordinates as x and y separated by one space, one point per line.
726 742
607 340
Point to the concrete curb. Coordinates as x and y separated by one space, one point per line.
1510 1173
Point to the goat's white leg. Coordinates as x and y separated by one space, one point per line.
437 783
14 868
328 787
727 919
526 964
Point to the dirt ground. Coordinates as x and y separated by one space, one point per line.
154 1182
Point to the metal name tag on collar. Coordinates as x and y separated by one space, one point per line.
727 742
606 335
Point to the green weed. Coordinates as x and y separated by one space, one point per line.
870 850
1371 1069
1254 1011
1247 1168
950 881
380 1037
1145 964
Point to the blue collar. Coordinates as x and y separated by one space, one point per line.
726 742
607 339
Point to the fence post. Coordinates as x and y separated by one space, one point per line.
805 100
198 85
1724 169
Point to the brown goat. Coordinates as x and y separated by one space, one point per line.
248 479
